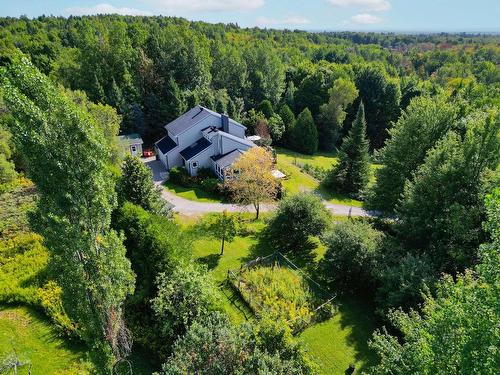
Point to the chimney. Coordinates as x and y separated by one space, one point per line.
225 122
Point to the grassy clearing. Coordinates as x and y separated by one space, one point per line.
334 343
25 283
298 180
36 341
191 193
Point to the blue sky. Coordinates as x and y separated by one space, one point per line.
369 15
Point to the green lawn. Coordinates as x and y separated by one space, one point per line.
34 339
297 181
341 340
194 194
334 343
320 159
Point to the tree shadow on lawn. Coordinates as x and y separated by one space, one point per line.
210 260
303 259
358 316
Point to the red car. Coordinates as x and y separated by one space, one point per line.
147 153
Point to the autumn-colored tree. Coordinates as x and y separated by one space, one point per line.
255 182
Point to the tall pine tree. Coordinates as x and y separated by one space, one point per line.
351 174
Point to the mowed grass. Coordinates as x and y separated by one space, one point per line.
288 162
36 341
334 343
191 193
342 340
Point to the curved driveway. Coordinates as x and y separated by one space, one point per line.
190 207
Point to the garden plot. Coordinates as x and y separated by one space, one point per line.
274 288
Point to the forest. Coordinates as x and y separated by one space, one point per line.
403 126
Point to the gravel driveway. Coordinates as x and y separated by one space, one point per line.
190 207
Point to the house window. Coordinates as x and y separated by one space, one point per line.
195 164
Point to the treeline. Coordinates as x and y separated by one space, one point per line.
151 69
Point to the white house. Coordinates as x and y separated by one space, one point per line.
202 138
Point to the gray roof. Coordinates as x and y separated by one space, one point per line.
190 118
197 147
166 144
227 159
243 141
131 139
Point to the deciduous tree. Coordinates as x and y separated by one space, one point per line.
332 114
297 218
67 158
421 125
254 183
224 227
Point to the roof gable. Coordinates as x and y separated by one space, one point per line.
197 147
191 118
227 159
166 144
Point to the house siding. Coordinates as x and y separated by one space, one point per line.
203 160
228 145
236 130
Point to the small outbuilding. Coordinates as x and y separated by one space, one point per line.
131 143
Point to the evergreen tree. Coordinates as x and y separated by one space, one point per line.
289 97
351 174
115 97
266 108
305 134
288 118
174 100
136 185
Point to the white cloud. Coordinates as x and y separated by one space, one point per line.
366 19
375 5
289 20
104 9
207 5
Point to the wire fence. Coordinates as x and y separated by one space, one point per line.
322 308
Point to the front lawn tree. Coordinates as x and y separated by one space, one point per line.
224 227
351 174
67 157
254 182
297 218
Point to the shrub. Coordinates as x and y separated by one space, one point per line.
297 218
317 172
215 346
154 244
184 296
211 185
352 252
402 281
179 176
